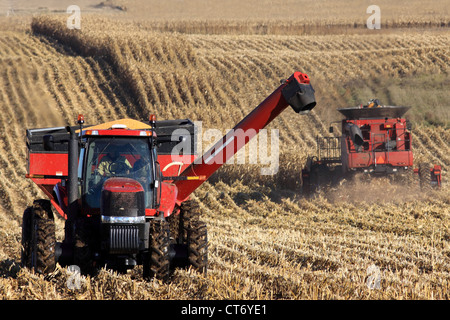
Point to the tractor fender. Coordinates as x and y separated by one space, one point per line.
169 193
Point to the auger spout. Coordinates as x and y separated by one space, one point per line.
296 91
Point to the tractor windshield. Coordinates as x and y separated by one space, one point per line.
108 157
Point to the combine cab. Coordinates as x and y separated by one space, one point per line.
124 187
376 140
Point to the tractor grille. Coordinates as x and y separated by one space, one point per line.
122 204
123 239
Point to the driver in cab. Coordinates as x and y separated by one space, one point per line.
113 163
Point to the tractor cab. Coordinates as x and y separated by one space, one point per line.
126 161
117 169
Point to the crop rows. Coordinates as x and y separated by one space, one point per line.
266 240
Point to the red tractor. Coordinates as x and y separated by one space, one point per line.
123 189
375 141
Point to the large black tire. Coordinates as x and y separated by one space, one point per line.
157 260
193 236
197 244
306 183
319 177
307 189
425 176
27 221
38 238
82 251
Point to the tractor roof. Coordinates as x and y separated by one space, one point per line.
128 127
129 123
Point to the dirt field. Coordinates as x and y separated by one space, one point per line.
267 241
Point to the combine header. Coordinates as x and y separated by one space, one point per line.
125 200
375 140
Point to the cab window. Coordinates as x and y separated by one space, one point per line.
108 157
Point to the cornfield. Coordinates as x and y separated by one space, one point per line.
266 241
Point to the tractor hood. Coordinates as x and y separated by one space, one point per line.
122 197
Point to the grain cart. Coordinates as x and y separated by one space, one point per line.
375 141
123 189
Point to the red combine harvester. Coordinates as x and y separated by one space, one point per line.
375 140
123 188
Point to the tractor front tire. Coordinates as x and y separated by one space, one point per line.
82 251
38 238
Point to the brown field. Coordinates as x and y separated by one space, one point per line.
266 240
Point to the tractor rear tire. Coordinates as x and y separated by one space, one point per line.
157 260
425 176
193 236
38 238
197 244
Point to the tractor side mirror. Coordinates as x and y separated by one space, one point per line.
48 142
